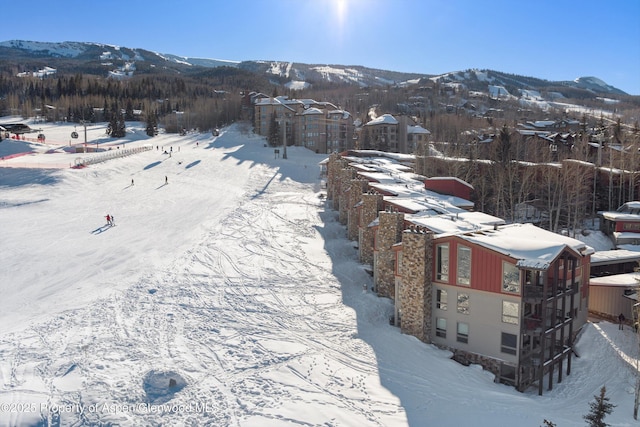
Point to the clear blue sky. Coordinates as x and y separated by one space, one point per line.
549 39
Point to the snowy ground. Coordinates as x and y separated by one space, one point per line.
235 284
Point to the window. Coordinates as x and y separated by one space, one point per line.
463 303
441 327
509 343
442 262
464 265
510 278
510 312
441 299
463 332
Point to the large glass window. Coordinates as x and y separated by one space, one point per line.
510 278
509 343
441 327
441 299
463 303
510 312
442 262
463 332
464 265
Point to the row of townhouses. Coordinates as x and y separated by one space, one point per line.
510 297
325 128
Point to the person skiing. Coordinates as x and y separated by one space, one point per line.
113 220
132 182
166 180
108 219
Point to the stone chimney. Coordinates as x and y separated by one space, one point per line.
389 233
372 203
358 187
415 291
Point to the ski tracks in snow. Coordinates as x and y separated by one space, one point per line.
254 325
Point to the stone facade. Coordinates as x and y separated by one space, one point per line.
358 188
334 178
389 233
346 175
415 291
372 203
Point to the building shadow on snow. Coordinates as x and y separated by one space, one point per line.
372 312
17 177
301 164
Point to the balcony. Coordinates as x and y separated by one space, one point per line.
534 324
535 293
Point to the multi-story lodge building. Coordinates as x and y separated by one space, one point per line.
318 126
396 135
509 297
325 128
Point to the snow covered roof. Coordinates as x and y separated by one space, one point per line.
615 256
532 246
431 205
625 280
402 193
312 110
542 123
527 131
625 235
375 156
279 100
383 119
345 114
629 211
416 129
454 223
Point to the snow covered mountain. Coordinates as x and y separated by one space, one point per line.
283 72
479 79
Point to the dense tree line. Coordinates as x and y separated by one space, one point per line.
207 99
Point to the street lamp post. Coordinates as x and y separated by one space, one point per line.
284 154
283 124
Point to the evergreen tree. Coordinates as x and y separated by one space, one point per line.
121 126
152 124
128 115
116 127
105 112
599 409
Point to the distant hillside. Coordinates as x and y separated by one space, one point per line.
96 58
479 79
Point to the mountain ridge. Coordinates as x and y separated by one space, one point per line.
283 72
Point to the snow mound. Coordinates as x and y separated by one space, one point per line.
161 386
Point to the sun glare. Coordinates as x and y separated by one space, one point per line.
341 10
